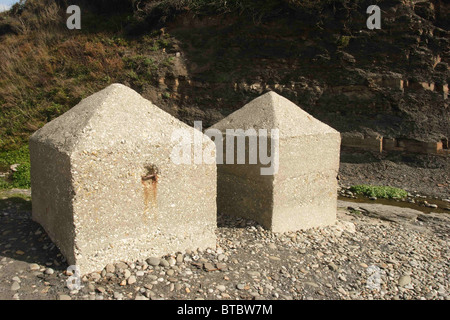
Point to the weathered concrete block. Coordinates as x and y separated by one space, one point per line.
302 192
105 188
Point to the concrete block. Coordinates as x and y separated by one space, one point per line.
105 188
302 191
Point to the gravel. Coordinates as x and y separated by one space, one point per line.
366 255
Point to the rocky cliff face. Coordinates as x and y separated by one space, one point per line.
384 89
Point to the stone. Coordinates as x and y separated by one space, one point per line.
121 266
118 296
171 261
221 288
342 291
148 286
95 276
299 190
254 274
164 263
404 281
347 226
15 286
209 267
170 272
240 286
34 267
64 297
274 258
101 289
342 277
110 268
106 185
49 271
131 280
221 257
385 212
221 266
431 205
153 261
312 284
152 277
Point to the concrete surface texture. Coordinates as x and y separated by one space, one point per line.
105 188
302 193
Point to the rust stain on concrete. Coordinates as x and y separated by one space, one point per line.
150 184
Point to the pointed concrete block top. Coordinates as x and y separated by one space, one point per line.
114 115
272 111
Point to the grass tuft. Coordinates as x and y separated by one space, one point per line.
21 177
384 192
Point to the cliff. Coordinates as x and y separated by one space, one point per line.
383 89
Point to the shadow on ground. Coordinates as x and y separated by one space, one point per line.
234 222
23 239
